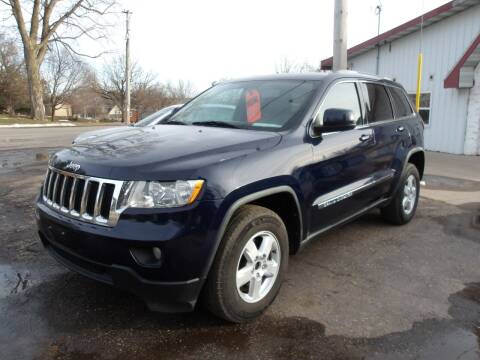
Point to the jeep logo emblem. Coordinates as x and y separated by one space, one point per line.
72 166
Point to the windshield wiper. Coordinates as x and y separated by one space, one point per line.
215 123
172 122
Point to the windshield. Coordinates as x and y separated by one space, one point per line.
156 116
260 104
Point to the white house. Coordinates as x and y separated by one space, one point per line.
115 113
450 100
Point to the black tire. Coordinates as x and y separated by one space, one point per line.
220 294
394 212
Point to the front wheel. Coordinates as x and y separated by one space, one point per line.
249 266
404 203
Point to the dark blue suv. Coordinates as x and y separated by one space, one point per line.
209 204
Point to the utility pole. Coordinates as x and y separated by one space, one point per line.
340 35
378 12
126 112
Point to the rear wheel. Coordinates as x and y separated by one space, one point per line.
404 204
249 267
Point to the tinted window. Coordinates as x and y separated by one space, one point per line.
377 103
400 101
262 104
341 96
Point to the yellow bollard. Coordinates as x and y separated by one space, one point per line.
419 81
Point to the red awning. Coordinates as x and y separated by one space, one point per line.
462 74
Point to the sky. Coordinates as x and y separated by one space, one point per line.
208 40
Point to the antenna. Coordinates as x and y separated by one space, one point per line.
419 65
126 113
378 12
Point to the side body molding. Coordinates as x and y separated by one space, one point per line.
352 189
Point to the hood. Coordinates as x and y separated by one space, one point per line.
89 135
162 152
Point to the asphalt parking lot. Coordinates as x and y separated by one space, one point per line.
366 290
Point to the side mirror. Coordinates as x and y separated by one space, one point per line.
336 120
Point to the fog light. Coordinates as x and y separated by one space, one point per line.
157 253
147 256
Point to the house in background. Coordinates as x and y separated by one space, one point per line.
115 113
450 96
62 111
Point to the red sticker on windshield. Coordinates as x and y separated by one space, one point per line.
254 109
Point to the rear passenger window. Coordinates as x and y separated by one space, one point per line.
402 106
377 103
341 96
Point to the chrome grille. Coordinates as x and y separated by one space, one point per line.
85 198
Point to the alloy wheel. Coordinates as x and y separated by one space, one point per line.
258 266
409 194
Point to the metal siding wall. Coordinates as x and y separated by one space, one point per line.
443 45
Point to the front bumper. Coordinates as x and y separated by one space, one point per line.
105 254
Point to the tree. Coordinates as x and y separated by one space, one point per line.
62 73
85 99
112 84
53 21
180 92
13 84
285 66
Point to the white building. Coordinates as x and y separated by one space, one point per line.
450 101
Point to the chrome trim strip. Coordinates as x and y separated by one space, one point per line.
62 193
50 186
98 199
52 181
72 195
54 194
349 190
46 182
343 221
83 203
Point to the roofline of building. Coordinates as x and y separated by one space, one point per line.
444 11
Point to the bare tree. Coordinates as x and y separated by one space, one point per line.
286 65
62 73
13 83
180 91
54 21
85 99
112 87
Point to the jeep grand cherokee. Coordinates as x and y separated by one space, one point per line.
210 203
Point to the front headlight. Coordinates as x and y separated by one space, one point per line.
155 194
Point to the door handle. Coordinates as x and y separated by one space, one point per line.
365 137
400 129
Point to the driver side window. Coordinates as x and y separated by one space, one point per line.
341 96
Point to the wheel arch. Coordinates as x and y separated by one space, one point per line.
266 198
416 157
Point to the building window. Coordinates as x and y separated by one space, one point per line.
424 109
